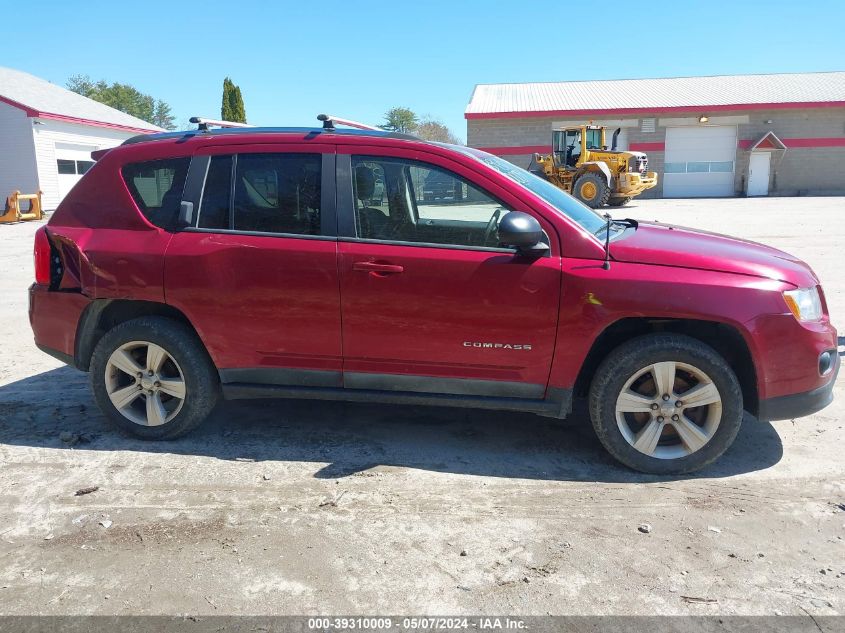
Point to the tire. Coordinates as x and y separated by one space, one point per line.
141 341
591 189
618 202
670 449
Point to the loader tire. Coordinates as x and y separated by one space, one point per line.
618 202
592 190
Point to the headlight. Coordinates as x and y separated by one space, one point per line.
804 303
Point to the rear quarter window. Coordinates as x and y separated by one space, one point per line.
156 186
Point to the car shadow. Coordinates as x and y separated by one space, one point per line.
55 410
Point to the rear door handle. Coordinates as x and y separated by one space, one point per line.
375 267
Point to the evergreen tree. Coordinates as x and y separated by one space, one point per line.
232 107
226 106
238 105
163 117
400 120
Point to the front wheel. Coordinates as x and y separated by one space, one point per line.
592 189
152 377
665 404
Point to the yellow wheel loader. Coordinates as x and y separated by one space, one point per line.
581 165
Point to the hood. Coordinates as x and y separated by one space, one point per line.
668 245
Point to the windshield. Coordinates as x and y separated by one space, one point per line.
560 200
594 139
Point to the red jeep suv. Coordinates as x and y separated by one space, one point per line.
321 263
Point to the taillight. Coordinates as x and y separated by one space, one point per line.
42 254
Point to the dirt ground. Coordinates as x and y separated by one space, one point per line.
279 507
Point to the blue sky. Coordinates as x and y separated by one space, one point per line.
294 60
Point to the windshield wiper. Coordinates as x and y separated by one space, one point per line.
626 223
622 224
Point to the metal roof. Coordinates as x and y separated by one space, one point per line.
655 95
40 98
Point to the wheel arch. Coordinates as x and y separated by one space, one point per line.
726 339
595 166
101 315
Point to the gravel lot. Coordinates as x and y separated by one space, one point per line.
280 507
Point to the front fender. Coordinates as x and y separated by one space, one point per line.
594 298
602 167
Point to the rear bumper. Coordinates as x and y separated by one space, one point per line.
65 358
54 317
799 404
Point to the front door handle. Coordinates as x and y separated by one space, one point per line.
375 267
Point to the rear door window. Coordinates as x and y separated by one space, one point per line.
156 186
277 193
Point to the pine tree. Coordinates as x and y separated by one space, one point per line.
163 117
226 107
232 108
238 105
400 120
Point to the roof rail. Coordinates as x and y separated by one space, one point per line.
203 123
329 122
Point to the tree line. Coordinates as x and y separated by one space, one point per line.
130 100
406 121
125 98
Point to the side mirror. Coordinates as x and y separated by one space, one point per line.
523 232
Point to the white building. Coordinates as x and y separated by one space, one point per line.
47 134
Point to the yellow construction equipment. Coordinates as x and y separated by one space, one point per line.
13 211
581 165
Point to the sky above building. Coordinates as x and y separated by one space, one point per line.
294 60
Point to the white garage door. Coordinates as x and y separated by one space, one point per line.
72 161
699 162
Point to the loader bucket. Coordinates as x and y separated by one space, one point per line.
14 213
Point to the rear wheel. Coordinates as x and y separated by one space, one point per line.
152 377
618 202
665 404
592 190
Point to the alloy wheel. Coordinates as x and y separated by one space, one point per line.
669 410
145 383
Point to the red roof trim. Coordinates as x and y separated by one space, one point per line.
31 113
521 150
110 126
19 106
814 142
661 110
647 147
834 141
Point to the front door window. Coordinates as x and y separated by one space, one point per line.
408 201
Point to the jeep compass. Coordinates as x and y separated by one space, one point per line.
363 265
